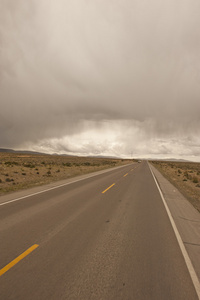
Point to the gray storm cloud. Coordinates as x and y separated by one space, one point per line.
100 77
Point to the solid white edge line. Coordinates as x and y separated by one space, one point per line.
188 262
61 185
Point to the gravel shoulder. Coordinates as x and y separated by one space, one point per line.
185 176
185 216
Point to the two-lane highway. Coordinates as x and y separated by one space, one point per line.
105 237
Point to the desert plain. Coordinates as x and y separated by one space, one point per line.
185 176
21 171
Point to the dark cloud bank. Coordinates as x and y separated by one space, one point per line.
101 77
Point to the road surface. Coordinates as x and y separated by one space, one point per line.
105 237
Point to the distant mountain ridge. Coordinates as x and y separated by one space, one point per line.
20 151
42 153
5 150
170 159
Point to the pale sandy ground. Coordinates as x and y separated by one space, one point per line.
185 176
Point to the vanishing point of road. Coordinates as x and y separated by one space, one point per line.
106 237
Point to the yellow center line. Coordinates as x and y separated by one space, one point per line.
125 174
17 259
108 188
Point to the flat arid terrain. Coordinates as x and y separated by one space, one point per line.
20 171
185 176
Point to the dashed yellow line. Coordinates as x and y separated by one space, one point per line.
108 188
125 174
17 259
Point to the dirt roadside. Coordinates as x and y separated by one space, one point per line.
185 176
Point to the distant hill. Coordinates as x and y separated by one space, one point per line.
6 150
20 151
169 159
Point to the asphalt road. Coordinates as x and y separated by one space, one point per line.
105 237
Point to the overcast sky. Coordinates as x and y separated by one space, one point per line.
99 77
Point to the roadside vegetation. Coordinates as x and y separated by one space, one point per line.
20 171
185 176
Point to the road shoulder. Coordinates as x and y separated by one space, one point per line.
185 216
